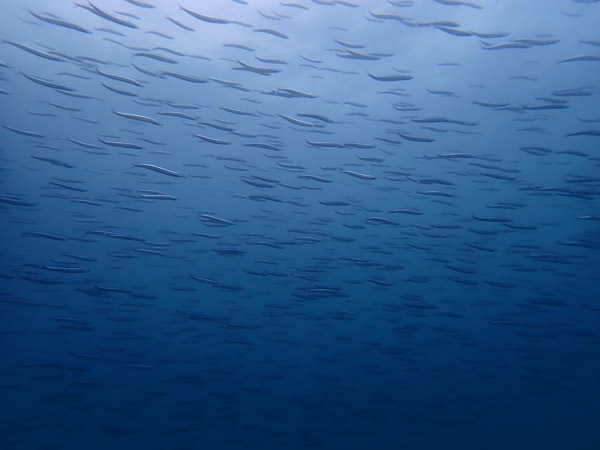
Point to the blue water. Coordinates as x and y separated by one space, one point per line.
305 224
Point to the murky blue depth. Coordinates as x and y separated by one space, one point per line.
322 224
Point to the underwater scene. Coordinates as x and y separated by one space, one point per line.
300 224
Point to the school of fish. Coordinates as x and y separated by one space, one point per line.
300 224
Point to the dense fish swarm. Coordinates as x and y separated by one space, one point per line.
332 224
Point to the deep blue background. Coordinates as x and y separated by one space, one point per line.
294 323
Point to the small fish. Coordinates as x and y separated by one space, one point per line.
390 77
60 23
137 117
159 169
